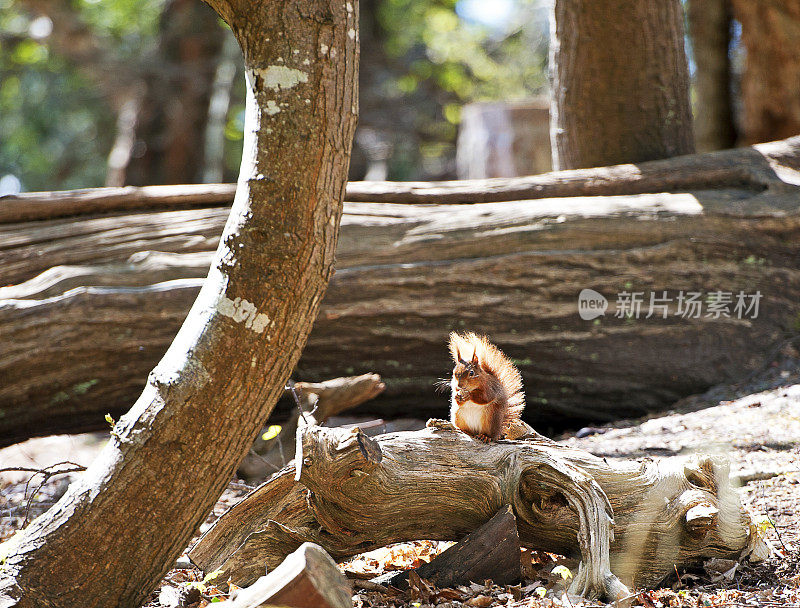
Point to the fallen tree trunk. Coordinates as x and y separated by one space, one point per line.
756 169
439 484
92 302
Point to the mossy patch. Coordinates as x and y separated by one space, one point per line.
78 389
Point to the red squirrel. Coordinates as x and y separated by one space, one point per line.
486 388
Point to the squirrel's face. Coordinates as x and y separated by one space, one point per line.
467 376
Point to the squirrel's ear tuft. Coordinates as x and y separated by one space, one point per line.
475 357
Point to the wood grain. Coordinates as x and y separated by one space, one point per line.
629 518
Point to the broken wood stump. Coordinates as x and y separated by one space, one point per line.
627 522
490 552
307 578
320 401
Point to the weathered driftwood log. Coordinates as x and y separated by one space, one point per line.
92 302
320 401
307 578
439 484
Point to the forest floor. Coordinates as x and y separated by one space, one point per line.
756 424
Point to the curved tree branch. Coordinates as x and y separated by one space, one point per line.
121 525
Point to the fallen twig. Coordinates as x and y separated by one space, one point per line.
46 474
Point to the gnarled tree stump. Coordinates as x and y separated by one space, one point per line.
630 522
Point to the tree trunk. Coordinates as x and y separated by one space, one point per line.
124 145
635 521
620 82
710 25
771 78
117 531
409 274
170 131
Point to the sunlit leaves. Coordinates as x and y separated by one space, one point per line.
56 129
28 52
562 571
272 431
57 126
452 113
440 61
234 127
133 21
465 58
440 21
408 83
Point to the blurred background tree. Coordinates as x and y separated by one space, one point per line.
151 91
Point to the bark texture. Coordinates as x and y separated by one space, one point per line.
771 78
710 23
630 523
109 540
94 301
620 82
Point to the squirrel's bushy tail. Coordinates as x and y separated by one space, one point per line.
514 411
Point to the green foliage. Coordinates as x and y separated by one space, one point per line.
55 132
470 61
762 524
56 129
133 24
58 112
441 61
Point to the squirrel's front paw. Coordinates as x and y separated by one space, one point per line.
483 438
438 423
